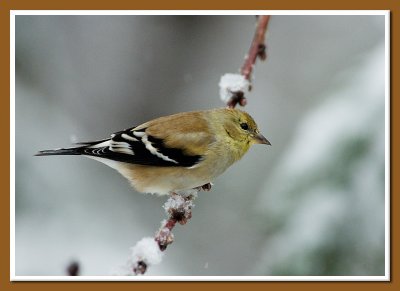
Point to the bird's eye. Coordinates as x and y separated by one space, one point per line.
244 126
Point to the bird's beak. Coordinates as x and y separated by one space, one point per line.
260 139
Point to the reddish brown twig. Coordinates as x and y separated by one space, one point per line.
257 47
179 210
257 50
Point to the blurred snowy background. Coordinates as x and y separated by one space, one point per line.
310 204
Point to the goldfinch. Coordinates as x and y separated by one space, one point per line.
177 152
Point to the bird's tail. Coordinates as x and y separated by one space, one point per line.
69 151
79 150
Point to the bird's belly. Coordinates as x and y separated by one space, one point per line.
163 180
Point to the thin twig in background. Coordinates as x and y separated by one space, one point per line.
73 269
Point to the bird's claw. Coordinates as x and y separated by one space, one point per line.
206 187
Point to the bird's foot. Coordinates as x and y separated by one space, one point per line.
205 187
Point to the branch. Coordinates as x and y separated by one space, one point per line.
234 86
148 251
257 48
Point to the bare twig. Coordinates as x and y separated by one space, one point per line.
257 47
257 50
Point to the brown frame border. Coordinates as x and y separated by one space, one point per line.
8 5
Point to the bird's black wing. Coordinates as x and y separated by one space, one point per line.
137 147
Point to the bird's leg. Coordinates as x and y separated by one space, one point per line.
206 187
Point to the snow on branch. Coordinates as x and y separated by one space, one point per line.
149 250
233 87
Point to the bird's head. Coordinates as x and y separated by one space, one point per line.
241 127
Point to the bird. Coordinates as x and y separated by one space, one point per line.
174 153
